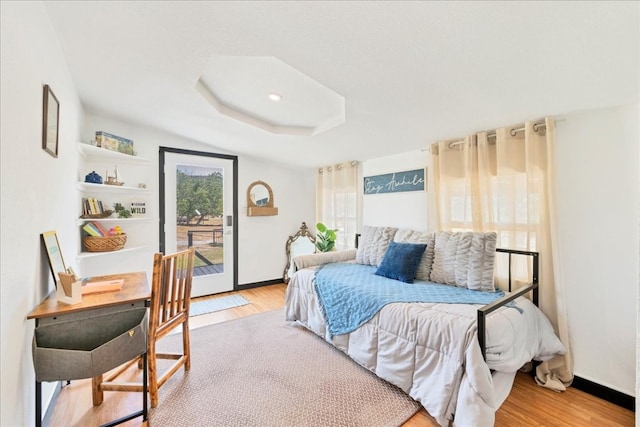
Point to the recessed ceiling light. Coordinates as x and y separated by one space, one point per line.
275 97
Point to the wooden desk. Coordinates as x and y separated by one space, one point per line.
134 293
135 289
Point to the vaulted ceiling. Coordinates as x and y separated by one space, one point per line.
358 80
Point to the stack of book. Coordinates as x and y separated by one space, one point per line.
95 229
91 206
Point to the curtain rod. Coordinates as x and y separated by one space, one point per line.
351 163
514 131
492 134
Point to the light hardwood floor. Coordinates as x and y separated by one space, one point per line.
527 405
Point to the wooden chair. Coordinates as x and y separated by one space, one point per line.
169 308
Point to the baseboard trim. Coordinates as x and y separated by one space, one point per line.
605 393
259 284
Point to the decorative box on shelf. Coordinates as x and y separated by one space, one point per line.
114 143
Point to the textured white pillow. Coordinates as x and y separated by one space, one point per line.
465 259
373 244
410 236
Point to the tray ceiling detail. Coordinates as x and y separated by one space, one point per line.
242 87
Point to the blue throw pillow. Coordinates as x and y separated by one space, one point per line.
401 261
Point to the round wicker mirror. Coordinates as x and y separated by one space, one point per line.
260 200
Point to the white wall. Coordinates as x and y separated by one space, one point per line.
408 209
598 203
36 191
598 214
261 247
263 238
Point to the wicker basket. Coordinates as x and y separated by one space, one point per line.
104 244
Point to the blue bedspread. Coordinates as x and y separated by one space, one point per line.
351 294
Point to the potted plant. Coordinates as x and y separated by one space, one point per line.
121 210
325 238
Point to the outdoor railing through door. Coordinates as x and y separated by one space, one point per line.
216 240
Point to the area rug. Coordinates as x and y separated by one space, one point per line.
263 371
216 304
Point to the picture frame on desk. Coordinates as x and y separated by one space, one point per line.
50 121
54 254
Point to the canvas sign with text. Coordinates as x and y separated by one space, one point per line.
395 182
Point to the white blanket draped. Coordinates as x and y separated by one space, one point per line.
431 350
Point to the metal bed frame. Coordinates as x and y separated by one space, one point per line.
490 308
485 310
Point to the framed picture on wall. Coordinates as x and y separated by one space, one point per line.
50 121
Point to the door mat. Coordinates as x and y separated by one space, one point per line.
216 304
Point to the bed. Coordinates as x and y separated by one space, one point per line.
430 350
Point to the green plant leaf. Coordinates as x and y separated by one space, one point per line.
121 211
325 238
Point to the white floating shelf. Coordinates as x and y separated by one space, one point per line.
90 151
85 255
89 187
116 219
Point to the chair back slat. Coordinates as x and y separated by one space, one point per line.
171 288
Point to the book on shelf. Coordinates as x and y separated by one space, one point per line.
91 206
94 206
87 208
92 230
100 228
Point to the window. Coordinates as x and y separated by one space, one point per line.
336 201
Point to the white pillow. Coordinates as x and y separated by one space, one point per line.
465 259
404 235
373 244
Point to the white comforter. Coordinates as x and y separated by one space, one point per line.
431 350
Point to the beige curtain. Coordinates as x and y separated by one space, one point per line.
505 182
336 201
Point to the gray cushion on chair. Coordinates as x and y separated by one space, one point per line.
465 259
